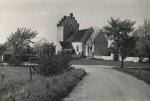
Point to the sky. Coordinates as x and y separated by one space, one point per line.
43 15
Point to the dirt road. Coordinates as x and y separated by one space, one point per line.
103 83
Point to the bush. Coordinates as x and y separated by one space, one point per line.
54 64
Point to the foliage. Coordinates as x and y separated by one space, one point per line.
43 47
118 30
15 60
47 49
21 40
143 39
54 64
3 48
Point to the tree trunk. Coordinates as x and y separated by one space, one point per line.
148 57
122 63
141 58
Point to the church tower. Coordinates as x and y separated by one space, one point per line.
66 26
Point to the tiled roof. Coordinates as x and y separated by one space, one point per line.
80 36
66 45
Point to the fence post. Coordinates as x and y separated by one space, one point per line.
30 72
30 68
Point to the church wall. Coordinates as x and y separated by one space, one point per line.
59 37
78 47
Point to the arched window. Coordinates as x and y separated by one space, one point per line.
77 48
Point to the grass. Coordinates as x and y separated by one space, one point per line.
14 73
17 86
139 73
109 63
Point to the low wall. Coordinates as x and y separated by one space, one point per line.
135 59
104 57
131 59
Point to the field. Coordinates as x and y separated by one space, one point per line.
14 73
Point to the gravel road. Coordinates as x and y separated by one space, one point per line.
103 83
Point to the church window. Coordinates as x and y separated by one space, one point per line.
88 49
77 48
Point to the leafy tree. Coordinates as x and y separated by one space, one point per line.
119 31
21 40
143 39
43 47
47 49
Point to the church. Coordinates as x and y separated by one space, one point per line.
85 42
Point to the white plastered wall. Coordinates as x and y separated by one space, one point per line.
59 38
80 48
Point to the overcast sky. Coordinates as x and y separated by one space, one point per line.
43 15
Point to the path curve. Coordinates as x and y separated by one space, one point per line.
103 83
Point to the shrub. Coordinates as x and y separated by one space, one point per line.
54 64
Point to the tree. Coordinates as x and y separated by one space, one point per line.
143 39
119 31
20 41
43 47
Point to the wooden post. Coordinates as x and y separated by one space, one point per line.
30 68
30 72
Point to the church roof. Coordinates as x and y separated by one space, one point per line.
66 45
80 36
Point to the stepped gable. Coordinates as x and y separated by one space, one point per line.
66 19
67 25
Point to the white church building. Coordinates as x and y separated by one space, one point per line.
88 42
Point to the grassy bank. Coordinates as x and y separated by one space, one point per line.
41 88
139 73
109 63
